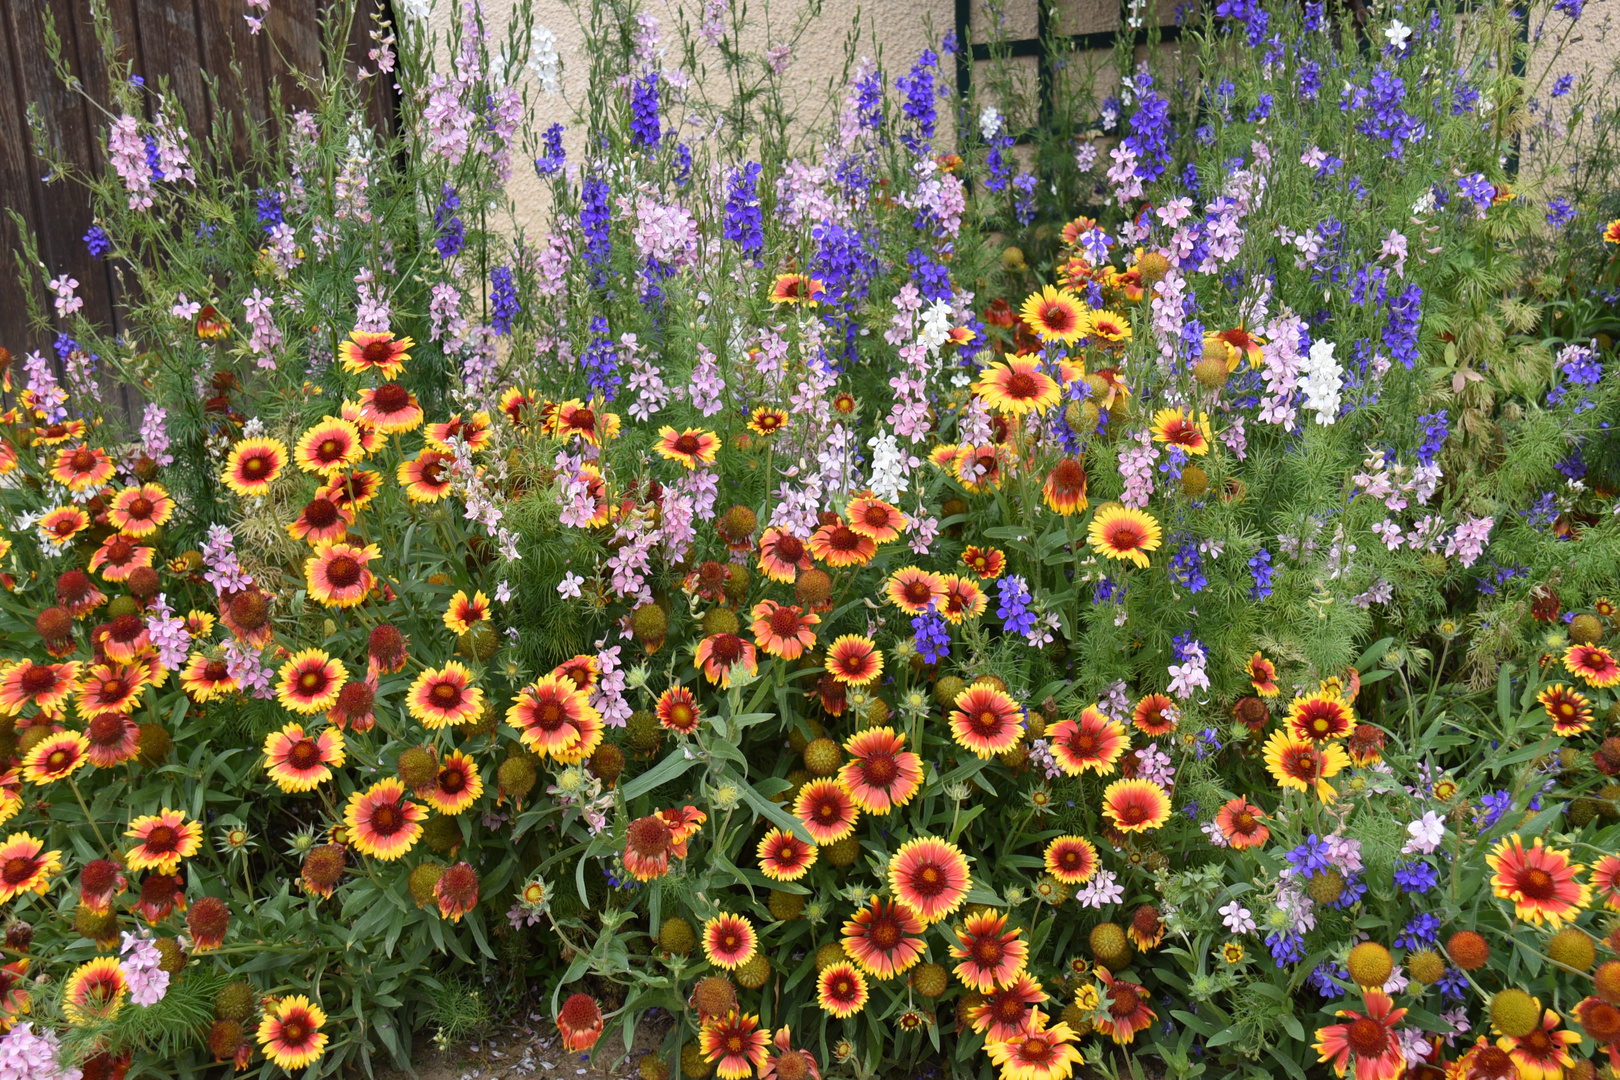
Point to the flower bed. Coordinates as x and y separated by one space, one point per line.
879 605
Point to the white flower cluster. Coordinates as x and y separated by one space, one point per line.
1320 379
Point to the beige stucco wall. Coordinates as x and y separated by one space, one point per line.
895 31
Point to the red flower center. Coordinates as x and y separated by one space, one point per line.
1057 319
292 1031
549 715
377 352
917 591
843 538
885 932
1125 536
1537 884
929 881
106 730
17 870
58 759
788 548
582 420
343 571
686 444
875 515
255 466
313 681
387 820
140 508
446 694
727 649
1123 1000
119 551
320 513
1021 384
304 754
989 950
433 472
36 679
1134 813
391 398
880 770
453 780
162 839
988 721
1366 1037
784 623
1009 1009
82 460
329 450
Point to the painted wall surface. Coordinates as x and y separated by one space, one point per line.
897 30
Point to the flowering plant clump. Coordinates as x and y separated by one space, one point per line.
864 603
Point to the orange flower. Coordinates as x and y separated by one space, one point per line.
116 559
986 721
1093 742
1056 315
782 555
990 954
784 857
1136 805
1071 859
841 990
574 418
553 717
1241 824
988 563
63 524
25 866
796 289
854 660
321 520
1263 674
1174 427
1303 765
1611 232
253 465
297 761
884 938
782 630
46 686
1606 880
875 519
1065 487
390 408
718 655
474 431
426 477
1370 1038
691 447
81 468
1155 715
930 877
1017 386
381 821
912 590
1539 880
838 545
457 786
331 446
827 810
880 773
462 614
677 710
138 511
379 352
580 1022
1007 1011
515 404
1127 1012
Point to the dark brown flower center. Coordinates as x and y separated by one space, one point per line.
391 398
880 770
376 352
140 508
162 839
305 754
1056 318
1538 884
386 819
18 870
343 571
320 513
784 622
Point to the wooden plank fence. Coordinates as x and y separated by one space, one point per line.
191 45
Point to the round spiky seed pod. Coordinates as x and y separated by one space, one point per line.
143 582
1110 946
1585 630
823 756
1153 267
677 937
753 974
737 524
478 642
225 1039
516 776
1608 800
785 906
1515 1013
1326 887
719 620
95 923
154 744
235 1001
642 733
1582 811
813 587
693 1063
1194 482
798 740
1370 964
441 834
649 623
423 880
1606 981
829 954
929 980
1426 966
607 763
1573 948
653 1067
1468 950
714 995
1210 372
843 852
1077 1019
54 623
947 689
417 767
119 606
173 957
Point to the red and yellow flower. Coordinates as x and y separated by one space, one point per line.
426 477
989 953
729 941
782 555
1368 1038
139 511
580 1022
554 718
963 599
734 1044
988 563
1593 664
827 810
331 446
880 773
474 431
1155 715
1540 881
784 630
337 574
841 989
381 821
1065 487
691 447
390 408
1320 717
1303 765
839 546
1008 1009
25 866
1262 674
1135 805
1056 315
784 857
309 682
1071 859
463 613
298 761
94 992
253 465
82 468
164 839
290 1032
986 720
677 710
1569 710
1017 386
1606 881
443 697
456 787
1175 428
796 289
55 757
871 517
381 352
766 420
1543 1054
1122 532
1038 1052
45 686
913 590
884 938
930 876
206 678
854 660
1242 824
718 655
1093 742
63 523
